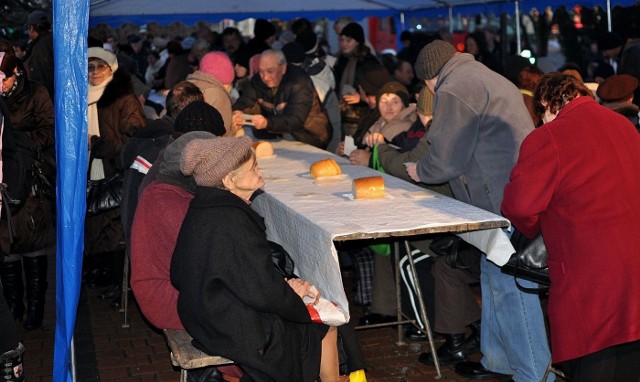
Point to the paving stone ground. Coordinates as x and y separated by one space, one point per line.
107 352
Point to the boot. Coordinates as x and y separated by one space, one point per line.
11 365
35 271
452 351
472 344
11 277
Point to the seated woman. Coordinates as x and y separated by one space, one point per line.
396 116
232 301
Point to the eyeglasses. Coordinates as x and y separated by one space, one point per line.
98 68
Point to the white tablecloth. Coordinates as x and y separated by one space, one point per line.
305 215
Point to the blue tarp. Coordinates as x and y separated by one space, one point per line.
70 26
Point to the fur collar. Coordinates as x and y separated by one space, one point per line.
120 86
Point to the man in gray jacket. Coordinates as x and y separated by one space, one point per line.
479 122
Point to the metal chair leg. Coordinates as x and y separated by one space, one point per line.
423 310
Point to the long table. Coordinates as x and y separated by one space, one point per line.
307 215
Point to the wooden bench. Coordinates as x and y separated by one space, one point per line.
187 357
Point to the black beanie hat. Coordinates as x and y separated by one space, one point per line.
200 116
394 87
294 52
609 40
263 29
309 41
355 31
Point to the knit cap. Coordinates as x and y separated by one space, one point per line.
210 160
294 52
609 40
424 105
432 58
104 55
309 41
37 17
170 166
219 66
263 29
617 88
394 87
200 116
355 31
372 77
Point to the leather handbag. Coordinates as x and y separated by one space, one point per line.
529 262
104 194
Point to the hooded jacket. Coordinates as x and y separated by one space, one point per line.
214 94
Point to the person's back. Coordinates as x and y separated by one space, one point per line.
574 189
476 133
479 123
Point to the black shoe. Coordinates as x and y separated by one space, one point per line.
453 351
475 370
472 344
375 318
414 334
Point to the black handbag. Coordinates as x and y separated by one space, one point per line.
529 262
458 254
104 194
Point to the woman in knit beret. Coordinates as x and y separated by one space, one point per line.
232 300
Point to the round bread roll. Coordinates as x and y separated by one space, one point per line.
239 132
325 167
368 188
263 149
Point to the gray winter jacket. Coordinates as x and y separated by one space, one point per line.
479 122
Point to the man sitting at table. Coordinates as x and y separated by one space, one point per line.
282 100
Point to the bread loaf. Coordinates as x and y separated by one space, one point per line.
263 149
325 167
368 188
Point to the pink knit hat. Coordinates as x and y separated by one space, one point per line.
219 66
209 160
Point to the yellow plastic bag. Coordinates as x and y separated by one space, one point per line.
357 376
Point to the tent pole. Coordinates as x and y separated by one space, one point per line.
609 15
402 22
450 19
72 350
517 16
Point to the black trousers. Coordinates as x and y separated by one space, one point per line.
619 363
9 331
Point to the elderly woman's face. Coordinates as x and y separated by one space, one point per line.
99 71
389 106
247 179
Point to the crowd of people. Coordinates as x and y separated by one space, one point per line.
553 152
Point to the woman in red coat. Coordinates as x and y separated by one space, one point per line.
576 182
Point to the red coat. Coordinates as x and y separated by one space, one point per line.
154 233
577 181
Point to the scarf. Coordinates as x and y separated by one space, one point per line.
96 171
349 74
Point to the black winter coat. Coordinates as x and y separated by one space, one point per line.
232 300
295 108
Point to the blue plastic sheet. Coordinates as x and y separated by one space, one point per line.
70 26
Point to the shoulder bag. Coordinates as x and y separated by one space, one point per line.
529 262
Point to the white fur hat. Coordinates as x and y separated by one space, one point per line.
104 55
